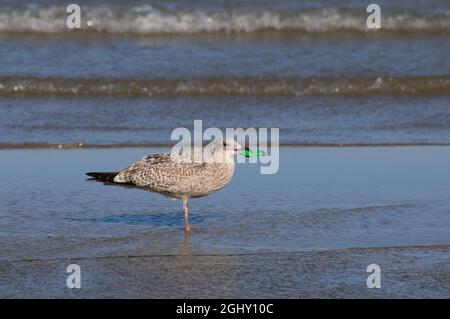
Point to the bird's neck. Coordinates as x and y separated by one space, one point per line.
218 158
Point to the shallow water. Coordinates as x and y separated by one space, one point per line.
322 201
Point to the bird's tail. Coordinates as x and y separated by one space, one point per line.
105 177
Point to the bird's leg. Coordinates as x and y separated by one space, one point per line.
187 227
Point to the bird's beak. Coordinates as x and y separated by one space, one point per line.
246 152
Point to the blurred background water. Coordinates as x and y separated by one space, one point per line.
311 68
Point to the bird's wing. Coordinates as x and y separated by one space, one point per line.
159 171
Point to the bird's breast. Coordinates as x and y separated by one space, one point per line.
213 178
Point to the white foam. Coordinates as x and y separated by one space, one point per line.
148 20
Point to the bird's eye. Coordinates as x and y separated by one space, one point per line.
224 144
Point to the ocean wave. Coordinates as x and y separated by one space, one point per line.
227 86
30 145
148 20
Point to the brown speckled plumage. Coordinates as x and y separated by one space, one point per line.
161 174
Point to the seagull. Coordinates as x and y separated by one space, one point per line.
183 176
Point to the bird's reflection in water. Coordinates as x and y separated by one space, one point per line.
187 235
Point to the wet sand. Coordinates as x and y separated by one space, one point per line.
309 231
411 272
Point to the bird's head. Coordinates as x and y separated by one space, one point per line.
227 148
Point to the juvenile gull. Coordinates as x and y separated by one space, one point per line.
180 177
